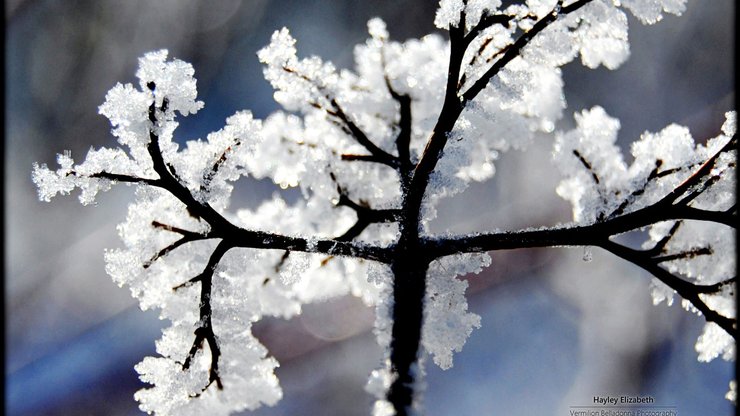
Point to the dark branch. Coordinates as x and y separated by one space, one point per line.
365 214
698 190
584 235
187 237
696 177
515 49
659 247
282 261
451 110
239 237
361 158
178 230
264 240
365 217
337 111
120 178
408 266
403 140
354 231
685 289
594 235
361 138
217 165
639 191
703 251
587 165
717 287
174 186
485 22
204 332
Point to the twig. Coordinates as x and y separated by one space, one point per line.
187 237
204 332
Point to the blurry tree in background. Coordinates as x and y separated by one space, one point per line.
72 64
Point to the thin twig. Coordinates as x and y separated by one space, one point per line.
204 332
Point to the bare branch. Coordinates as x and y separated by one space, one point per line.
717 287
702 251
361 158
121 178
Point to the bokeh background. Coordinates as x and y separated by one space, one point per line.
556 330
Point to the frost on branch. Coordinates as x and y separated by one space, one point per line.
671 172
209 167
526 95
372 150
128 110
64 180
210 362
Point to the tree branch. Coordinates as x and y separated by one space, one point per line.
239 237
263 240
515 49
365 217
187 237
572 236
685 289
365 214
120 178
381 155
403 140
484 23
336 110
702 251
217 165
361 158
659 247
204 332
717 287
696 177
654 174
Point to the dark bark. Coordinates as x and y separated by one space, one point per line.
409 289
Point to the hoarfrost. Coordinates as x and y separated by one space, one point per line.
651 11
168 249
447 322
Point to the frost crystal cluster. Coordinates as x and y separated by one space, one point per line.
372 151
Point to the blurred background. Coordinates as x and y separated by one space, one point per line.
556 330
